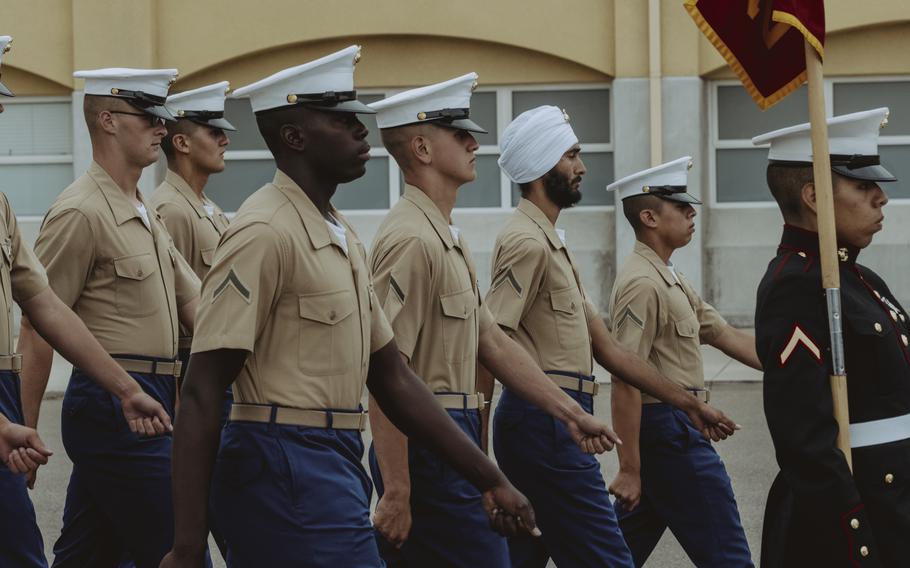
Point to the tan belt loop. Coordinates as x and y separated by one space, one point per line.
703 395
12 363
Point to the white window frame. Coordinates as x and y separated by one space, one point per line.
38 159
503 118
715 143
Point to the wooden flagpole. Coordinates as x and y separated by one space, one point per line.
827 241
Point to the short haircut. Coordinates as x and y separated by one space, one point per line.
181 126
786 182
397 141
633 206
93 105
271 121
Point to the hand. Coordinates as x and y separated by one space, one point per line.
591 434
145 415
22 449
626 487
510 512
393 518
178 559
713 424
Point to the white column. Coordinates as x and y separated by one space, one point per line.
82 145
685 133
631 105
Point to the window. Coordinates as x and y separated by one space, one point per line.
738 167
36 152
249 164
894 139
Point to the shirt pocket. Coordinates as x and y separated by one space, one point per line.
327 340
134 290
685 333
207 255
458 334
569 316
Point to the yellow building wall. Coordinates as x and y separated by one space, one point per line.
406 42
42 50
579 32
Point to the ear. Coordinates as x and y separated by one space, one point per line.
293 136
106 121
421 149
648 218
807 196
181 143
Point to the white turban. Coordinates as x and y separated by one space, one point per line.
534 142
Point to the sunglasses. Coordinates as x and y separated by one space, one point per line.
154 121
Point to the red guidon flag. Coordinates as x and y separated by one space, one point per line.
762 40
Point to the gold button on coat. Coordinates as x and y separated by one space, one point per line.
854 524
889 478
878 327
864 550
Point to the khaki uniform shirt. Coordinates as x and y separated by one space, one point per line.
195 233
536 293
428 286
123 278
662 319
22 275
282 288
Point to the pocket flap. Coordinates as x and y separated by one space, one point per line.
458 304
566 300
687 327
207 255
326 307
135 267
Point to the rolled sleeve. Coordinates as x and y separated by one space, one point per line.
380 329
518 270
27 276
403 278
186 283
240 290
65 246
636 316
711 323
178 226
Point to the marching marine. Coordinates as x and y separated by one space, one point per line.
110 259
818 512
670 476
426 279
